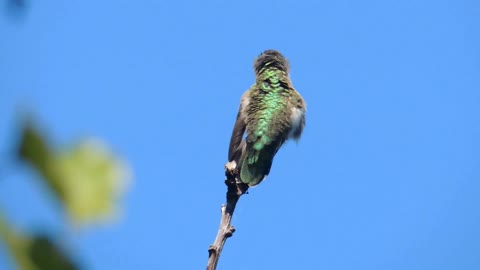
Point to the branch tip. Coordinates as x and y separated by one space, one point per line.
235 189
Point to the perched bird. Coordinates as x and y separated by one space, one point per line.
270 112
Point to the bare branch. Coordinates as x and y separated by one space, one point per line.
235 189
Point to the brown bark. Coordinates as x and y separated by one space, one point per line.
235 189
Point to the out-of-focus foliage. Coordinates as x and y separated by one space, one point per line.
91 180
35 150
87 177
46 255
34 253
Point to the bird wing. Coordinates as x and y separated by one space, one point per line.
237 146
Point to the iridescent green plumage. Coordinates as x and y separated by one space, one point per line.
270 112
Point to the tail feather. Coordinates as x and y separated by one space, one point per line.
256 164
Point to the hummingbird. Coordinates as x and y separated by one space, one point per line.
270 113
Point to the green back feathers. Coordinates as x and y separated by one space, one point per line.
268 116
268 108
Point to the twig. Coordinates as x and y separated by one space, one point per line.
235 189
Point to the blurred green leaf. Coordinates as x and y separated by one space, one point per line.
45 255
88 178
33 146
93 179
35 149
34 253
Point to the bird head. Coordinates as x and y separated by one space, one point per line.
270 58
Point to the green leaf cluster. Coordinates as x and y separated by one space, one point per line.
87 179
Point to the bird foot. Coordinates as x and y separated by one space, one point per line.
231 171
231 166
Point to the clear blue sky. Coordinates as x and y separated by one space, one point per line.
386 176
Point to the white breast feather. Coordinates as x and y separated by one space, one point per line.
296 120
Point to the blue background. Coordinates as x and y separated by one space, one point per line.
386 175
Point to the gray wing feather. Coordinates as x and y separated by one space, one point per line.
237 144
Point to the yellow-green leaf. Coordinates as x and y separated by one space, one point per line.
93 180
88 178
